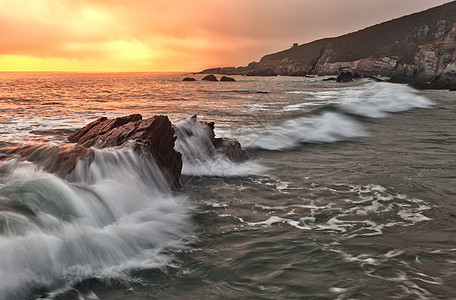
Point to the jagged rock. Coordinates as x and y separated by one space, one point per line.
196 139
100 127
344 77
153 136
231 148
210 78
226 78
189 79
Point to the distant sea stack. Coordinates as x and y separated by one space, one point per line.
418 49
210 78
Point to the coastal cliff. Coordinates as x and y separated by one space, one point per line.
418 48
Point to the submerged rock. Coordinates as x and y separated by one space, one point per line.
210 78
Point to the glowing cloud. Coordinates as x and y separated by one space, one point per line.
172 35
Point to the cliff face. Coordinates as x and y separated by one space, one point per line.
418 47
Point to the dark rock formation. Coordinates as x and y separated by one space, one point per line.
330 79
416 48
231 148
210 78
100 127
189 79
153 136
344 77
439 82
206 145
226 78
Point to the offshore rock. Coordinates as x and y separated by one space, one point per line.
189 79
100 127
231 148
210 78
226 78
153 136
197 139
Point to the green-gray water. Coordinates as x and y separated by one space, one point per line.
349 193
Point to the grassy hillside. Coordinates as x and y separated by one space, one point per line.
399 37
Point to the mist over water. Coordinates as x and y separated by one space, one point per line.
348 192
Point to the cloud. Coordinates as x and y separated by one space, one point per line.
180 35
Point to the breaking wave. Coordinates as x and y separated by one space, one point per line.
109 217
201 158
334 121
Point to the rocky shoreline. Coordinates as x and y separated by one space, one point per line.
153 138
419 49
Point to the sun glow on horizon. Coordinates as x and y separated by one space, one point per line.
96 36
169 35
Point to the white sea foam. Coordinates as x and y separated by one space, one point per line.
362 215
326 128
201 158
372 100
115 216
378 99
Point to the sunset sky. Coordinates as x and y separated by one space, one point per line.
172 35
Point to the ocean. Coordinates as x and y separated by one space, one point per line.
349 192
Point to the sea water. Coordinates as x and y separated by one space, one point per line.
348 192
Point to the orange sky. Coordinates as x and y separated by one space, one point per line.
172 35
